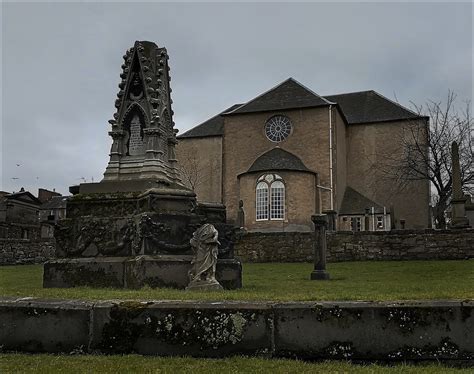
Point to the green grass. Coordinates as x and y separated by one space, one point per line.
400 280
21 363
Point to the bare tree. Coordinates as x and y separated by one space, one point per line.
190 167
426 152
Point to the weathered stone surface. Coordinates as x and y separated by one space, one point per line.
134 272
184 328
357 246
33 325
385 331
24 251
375 331
78 272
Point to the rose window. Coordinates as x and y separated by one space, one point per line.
278 128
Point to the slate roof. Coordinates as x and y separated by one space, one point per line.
287 95
370 106
278 159
212 127
356 107
55 202
354 202
25 196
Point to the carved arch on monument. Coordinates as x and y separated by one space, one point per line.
134 122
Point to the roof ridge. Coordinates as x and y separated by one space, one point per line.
209 119
398 104
267 91
310 90
354 92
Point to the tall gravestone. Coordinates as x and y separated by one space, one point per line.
458 201
134 227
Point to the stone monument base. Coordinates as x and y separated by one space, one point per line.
319 275
204 286
134 272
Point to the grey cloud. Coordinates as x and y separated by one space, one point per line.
61 66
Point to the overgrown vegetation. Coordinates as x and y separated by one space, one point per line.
396 280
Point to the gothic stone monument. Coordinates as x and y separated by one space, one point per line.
134 227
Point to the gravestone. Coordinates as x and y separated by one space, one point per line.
458 201
134 227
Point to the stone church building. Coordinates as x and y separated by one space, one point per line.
290 153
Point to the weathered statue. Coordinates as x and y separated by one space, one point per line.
205 247
241 215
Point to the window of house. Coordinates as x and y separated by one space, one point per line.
270 198
356 223
380 225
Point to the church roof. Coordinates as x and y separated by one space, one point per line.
356 107
278 159
354 202
212 127
370 106
289 94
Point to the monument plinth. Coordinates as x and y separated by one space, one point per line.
134 227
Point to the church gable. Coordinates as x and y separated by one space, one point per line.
287 95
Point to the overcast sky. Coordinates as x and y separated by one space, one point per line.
61 65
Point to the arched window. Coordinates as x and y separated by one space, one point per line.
262 201
270 198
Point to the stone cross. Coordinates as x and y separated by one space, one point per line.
320 246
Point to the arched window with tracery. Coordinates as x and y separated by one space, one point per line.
270 198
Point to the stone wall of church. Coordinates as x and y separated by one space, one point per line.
200 163
340 158
372 150
300 196
358 246
245 141
21 252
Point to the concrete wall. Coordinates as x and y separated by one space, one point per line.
358 246
201 159
20 252
390 331
373 149
245 141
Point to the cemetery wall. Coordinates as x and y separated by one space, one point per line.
365 331
24 251
358 246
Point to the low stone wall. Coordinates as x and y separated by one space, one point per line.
385 331
358 246
24 251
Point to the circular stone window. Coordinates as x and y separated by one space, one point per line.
278 128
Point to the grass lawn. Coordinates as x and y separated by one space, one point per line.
395 280
21 363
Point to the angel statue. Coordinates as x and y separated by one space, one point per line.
204 243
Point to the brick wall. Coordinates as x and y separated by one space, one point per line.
358 246
22 251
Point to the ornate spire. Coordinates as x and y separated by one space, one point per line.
142 127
